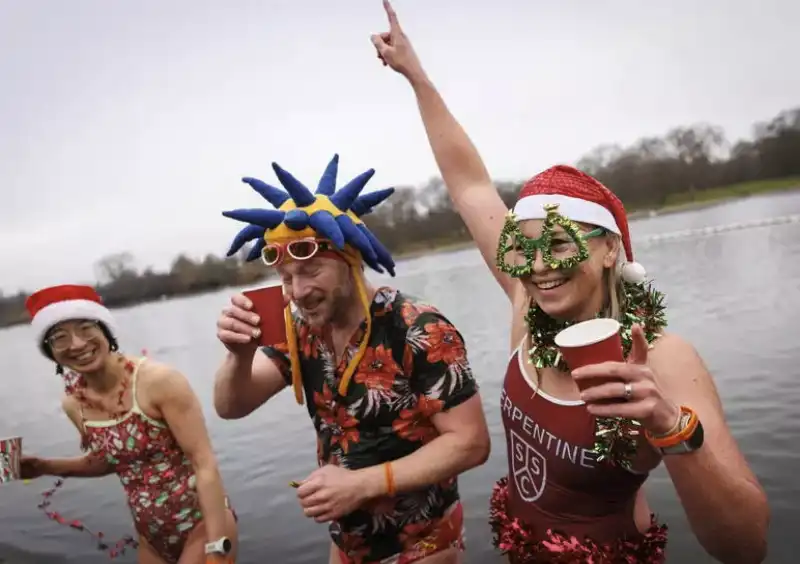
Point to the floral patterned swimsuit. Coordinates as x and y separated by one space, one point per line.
157 476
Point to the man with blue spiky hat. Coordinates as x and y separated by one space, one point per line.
321 222
385 378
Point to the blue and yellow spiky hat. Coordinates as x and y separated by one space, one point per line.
326 214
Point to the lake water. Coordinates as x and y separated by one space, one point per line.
734 295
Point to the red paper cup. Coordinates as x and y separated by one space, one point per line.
268 303
10 453
590 342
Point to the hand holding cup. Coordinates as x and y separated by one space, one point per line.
254 318
612 386
10 458
237 326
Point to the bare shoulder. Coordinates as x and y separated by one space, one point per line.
154 373
682 372
70 406
670 344
157 381
674 354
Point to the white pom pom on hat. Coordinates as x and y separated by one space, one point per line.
634 273
583 199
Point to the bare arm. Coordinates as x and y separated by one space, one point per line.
88 466
247 377
724 502
471 189
463 443
171 394
245 382
447 390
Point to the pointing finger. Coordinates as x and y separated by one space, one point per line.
639 346
394 24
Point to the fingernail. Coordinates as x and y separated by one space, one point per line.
248 304
256 319
256 333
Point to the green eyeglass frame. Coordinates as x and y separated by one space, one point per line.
513 240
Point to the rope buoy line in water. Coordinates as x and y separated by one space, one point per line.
716 229
645 240
637 241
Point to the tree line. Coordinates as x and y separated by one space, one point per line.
651 173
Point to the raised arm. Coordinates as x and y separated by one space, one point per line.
247 378
471 189
244 383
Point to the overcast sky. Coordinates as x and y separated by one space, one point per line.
128 125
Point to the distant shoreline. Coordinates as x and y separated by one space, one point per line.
676 203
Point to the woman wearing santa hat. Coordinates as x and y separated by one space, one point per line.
139 419
581 443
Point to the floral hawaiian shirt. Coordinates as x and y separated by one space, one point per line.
414 367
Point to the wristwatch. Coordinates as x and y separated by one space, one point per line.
686 437
220 546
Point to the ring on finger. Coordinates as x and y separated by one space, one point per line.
628 392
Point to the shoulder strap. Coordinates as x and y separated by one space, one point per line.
134 381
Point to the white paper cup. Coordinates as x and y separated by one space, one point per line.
10 454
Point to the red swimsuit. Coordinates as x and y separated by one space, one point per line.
555 484
158 478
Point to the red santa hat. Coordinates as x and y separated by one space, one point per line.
583 199
51 306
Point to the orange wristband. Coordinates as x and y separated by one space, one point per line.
680 435
387 468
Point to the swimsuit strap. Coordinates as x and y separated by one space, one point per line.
134 381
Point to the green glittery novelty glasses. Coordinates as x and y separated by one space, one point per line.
561 250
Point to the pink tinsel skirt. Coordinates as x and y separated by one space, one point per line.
516 540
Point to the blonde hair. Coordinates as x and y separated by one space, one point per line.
612 279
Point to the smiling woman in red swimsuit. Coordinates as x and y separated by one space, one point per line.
140 420
580 444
